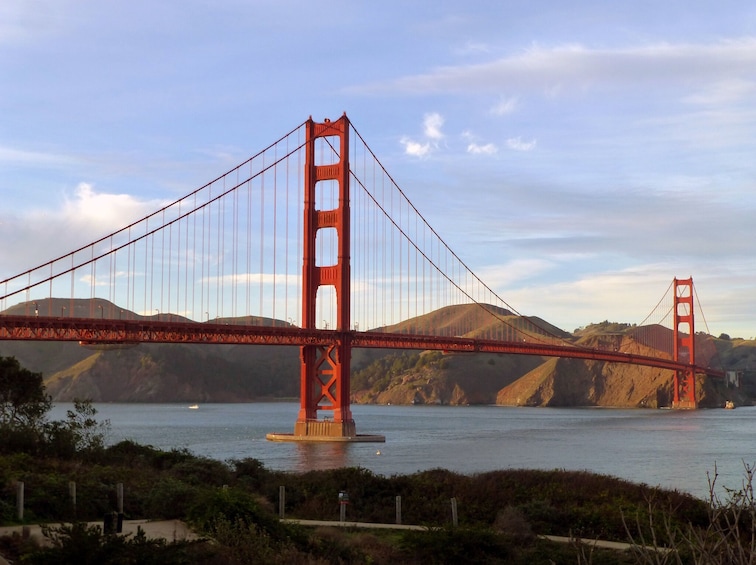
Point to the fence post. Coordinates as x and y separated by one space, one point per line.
343 501
454 512
72 494
20 500
399 509
119 518
119 494
281 501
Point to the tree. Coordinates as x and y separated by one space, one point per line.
80 432
23 417
23 402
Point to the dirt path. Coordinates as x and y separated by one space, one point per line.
170 530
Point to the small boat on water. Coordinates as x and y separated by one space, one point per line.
194 407
729 405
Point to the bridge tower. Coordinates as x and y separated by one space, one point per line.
324 376
684 345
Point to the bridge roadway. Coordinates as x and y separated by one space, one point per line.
97 331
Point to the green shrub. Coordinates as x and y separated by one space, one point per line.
251 472
202 471
169 498
79 543
456 545
234 507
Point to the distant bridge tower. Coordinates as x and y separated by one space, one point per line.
684 349
324 384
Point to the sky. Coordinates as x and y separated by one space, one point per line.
576 155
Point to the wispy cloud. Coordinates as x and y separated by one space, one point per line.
14 156
24 21
723 92
487 149
554 69
518 144
474 147
504 106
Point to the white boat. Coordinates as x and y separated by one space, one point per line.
194 407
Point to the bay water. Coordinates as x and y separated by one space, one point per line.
667 448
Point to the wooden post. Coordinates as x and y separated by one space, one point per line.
20 500
72 494
281 501
119 514
398 509
119 494
455 522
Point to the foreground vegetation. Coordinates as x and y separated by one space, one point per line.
499 512
234 506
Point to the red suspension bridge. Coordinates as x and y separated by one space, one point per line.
310 242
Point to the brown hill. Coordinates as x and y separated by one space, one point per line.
431 377
153 372
473 320
575 382
173 373
203 373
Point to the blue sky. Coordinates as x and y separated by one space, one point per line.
577 155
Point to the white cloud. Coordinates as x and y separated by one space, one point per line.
517 144
103 210
103 281
723 92
24 22
50 230
487 149
514 272
555 69
504 106
626 296
473 48
415 148
476 148
432 124
253 279
15 156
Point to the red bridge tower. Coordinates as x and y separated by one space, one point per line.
684 349
324 384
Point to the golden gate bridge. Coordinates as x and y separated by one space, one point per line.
309 242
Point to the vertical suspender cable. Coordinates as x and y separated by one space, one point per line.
221 260
262 236
286 236
275 226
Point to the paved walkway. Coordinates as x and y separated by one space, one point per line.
176 530
171 530
352 524
604 544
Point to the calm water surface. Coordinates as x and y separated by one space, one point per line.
673 449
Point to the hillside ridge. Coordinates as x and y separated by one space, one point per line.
225 373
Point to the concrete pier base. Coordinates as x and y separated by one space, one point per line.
325 431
